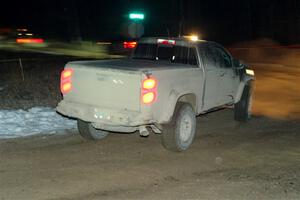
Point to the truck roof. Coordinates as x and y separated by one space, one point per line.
182 41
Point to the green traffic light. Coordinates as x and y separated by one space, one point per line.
136 16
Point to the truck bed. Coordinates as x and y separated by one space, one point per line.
128 64
103 85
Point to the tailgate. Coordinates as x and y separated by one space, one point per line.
106 88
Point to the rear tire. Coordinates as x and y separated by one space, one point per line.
179 134
87 131
242 109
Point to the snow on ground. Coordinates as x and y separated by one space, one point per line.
37 120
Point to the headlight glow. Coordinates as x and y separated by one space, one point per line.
250 72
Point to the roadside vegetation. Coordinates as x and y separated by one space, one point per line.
36 83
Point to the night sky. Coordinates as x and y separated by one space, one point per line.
223 21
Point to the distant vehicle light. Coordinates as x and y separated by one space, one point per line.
129 45
250 72
29 40
29 34
166 41
22 29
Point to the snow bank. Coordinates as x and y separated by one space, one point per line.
37 120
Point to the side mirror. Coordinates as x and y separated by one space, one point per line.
237 64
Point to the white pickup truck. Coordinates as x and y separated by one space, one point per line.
162 87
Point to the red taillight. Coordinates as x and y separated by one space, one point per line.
149 83
66 81
66 87
29 40
149 90
67 73
148 97
129 45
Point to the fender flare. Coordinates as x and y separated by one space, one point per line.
246 79
174 96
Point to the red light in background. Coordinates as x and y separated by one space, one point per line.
29 40
129 45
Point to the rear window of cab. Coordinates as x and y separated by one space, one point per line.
171 53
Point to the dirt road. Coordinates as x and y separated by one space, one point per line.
258 160
228 160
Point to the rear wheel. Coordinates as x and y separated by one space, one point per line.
242 109
87 131
179 134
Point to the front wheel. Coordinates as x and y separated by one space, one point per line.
87 131
179 134
242 109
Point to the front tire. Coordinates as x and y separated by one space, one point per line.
87 131
179 134
242 109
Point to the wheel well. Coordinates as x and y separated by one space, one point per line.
189 98
241 89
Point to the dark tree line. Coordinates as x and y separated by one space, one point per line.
225 21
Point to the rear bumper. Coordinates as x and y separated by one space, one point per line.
103 117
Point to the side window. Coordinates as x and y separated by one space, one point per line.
180 54
223 59
227 59
184 55
207 55
192 56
